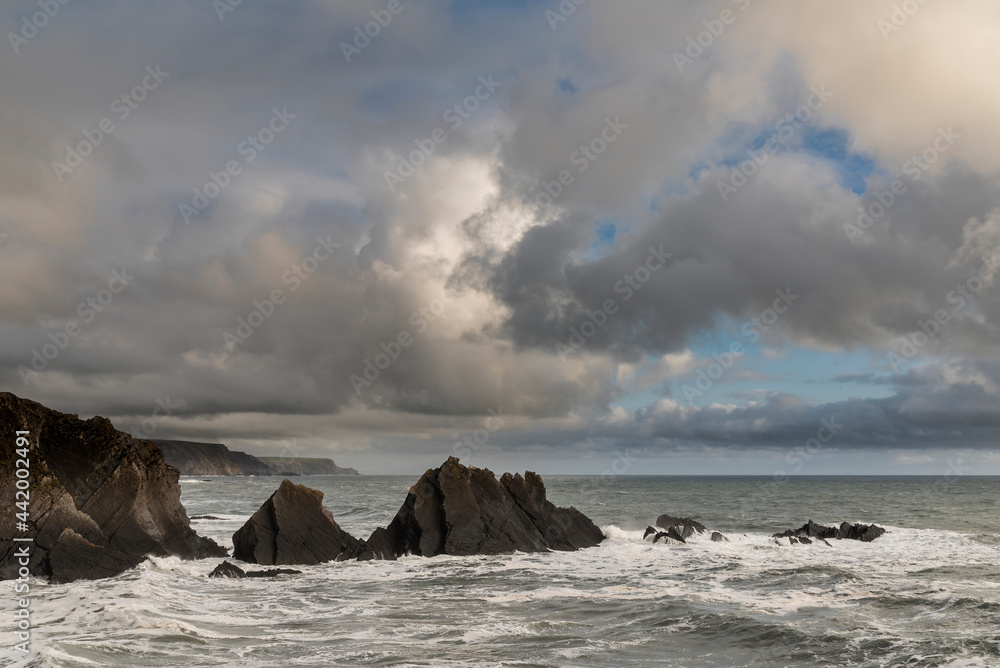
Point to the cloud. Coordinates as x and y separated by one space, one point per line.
499 223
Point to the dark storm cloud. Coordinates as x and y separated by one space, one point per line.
466 227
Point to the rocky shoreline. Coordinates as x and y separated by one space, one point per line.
102 501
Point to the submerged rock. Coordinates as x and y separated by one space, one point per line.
228 570
866 533
718 537
101 501
293 527
463 510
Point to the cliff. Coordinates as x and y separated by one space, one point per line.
305 466
100 501
192 458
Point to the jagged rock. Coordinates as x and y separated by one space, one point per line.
655 536
101 501
866 533
228 570
719 538
685 527
293 527
463 510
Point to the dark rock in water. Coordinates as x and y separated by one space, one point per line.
228 570
664 536
685 527
719 538
674 532
293 527
804 540
205 517
866 533
463 510
101 501
273 572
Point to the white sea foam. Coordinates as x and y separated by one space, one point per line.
912 593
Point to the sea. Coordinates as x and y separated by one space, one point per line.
925 594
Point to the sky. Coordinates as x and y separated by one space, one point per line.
582 237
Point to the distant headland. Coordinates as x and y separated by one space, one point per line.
192 458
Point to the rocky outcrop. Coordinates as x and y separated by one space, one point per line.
293 527
685 527
192 458
670 529
866 533
305 466
228 570
671 535
463 510
101 501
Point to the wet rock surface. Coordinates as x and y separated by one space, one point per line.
293 527
866 533
229 570
463 510
101 501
